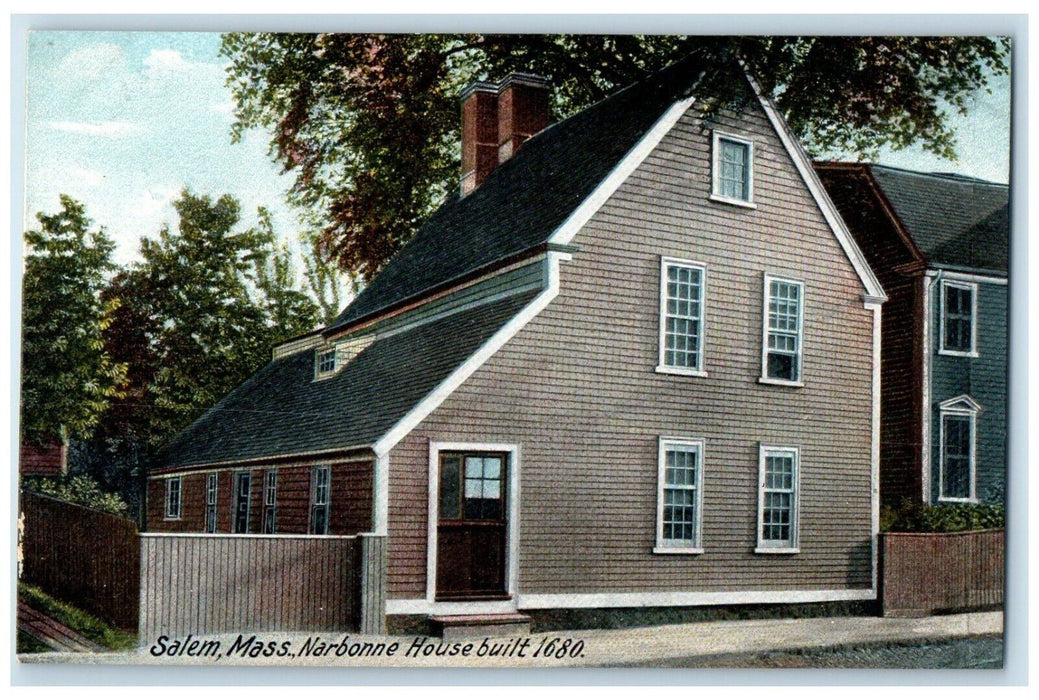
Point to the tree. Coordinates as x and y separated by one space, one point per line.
369 123
198 315
68 378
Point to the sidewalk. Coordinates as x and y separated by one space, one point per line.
626 647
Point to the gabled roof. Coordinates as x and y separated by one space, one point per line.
282 411
526 198
954 221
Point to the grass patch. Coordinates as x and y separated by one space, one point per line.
75 619
27 644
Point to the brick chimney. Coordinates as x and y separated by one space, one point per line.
479 134
496 119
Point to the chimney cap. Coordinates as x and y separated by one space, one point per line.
478 86
528 79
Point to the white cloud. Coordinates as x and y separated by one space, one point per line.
83 176
92 62
166 61
110 129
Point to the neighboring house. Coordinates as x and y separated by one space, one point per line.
634 362
939 244
47 459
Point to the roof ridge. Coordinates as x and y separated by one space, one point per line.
938 175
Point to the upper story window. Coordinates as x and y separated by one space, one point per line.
682 285
679 496
326 363
959 305
732 170
778 500
957 444
173 498
781 347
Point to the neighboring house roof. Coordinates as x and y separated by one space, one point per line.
281 410
955 221
526 198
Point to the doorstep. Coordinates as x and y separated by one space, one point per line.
452 627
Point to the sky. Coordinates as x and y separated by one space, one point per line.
123 121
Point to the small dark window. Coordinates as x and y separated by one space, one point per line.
211 498
326 361
242 492
319 488
734 161
959 318
270 502
956 456
173 486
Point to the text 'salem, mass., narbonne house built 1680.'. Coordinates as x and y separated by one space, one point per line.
635 361
939 244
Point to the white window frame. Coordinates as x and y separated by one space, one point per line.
960 407
716 169
313 497
973 288
663 546
766 297
662 366
212 501
270 500
793 545
318 354
174 484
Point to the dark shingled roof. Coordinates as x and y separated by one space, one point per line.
280 410
955 221
526 198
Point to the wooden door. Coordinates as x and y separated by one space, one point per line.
471 526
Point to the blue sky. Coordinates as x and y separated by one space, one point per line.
122 121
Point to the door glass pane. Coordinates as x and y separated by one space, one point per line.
450 500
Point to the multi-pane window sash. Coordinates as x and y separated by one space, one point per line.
319 481
173 486
957 474
783 337
242 496
326 361
682 316
958 317
734 177
777 527
681 482
270 502
211 500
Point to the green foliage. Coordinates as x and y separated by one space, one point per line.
369 124
200 313
81 490
946 517
68 378
75 619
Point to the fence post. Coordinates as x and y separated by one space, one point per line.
373 584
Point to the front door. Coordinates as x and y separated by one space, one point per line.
471 526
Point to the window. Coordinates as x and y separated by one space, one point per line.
956 441
319 485
270 502
959 307
781 351
243 482
325 364
682 286
679 496
733 170
777 500
211 496
173 490
472 486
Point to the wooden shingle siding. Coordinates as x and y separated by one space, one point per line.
350 499
577 390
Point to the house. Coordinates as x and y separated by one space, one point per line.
633 362
939 245
49 459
